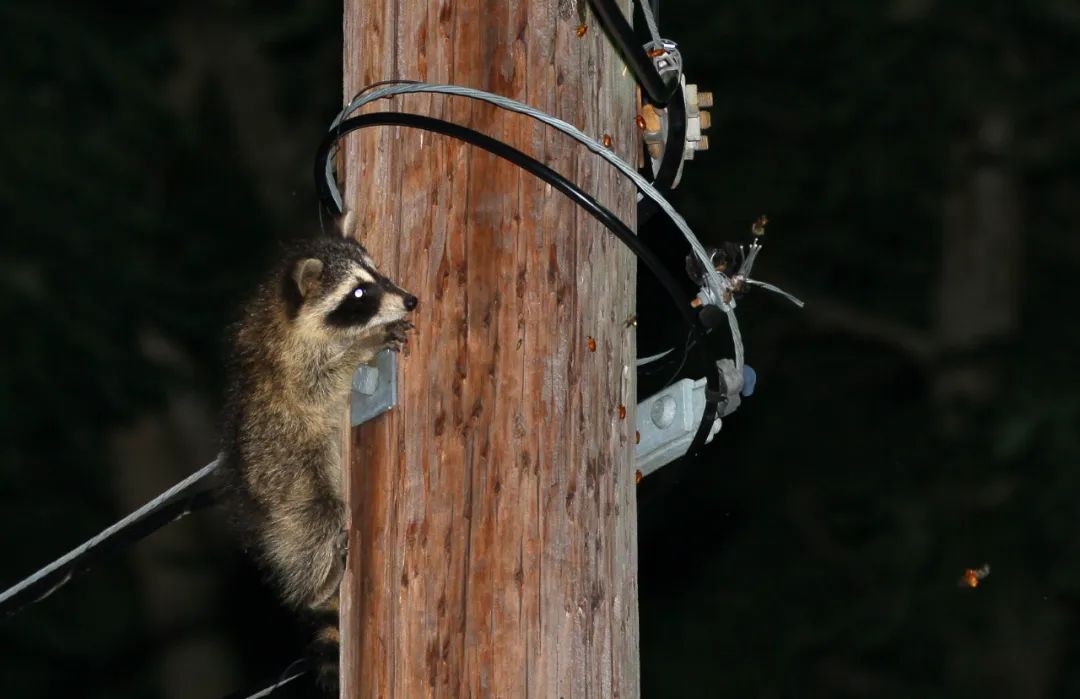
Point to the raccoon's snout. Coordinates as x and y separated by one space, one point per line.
410 302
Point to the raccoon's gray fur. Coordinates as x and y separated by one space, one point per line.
323 310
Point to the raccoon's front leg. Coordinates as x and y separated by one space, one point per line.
391 336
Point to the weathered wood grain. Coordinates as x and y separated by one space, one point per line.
493 548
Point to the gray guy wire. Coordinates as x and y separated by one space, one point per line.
68 561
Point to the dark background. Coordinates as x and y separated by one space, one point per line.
918 161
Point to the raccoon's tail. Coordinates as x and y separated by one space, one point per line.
325 650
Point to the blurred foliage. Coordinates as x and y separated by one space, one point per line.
813 551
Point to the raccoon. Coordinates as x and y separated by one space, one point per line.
322 311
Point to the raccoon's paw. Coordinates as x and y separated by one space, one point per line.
341 545
395 336
327 682
324 663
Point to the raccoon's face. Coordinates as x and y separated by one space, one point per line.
333 289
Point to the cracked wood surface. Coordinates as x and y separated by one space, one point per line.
493 547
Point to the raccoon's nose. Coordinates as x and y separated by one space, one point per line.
410 302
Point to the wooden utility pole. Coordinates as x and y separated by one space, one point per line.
493 544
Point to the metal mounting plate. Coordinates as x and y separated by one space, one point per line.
668 420
374 388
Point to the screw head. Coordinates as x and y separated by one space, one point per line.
663 412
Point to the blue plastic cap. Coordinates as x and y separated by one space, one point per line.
749 380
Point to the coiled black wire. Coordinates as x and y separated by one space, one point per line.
716 391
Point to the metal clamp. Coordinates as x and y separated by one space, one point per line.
666 57
655 133
667 421
374 388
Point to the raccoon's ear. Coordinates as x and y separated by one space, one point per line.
307 274
347 224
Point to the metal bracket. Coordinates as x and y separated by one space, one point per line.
667 60
698 119
667 421
374 388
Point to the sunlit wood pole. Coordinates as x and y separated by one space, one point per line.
493 548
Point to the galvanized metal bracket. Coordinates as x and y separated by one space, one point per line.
667 421
374 388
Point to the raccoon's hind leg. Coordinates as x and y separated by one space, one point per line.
305 551
324 653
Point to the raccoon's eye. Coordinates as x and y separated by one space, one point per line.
358 292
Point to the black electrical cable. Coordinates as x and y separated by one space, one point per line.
533 166
658 90
676 142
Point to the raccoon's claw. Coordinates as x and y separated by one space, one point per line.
396 334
